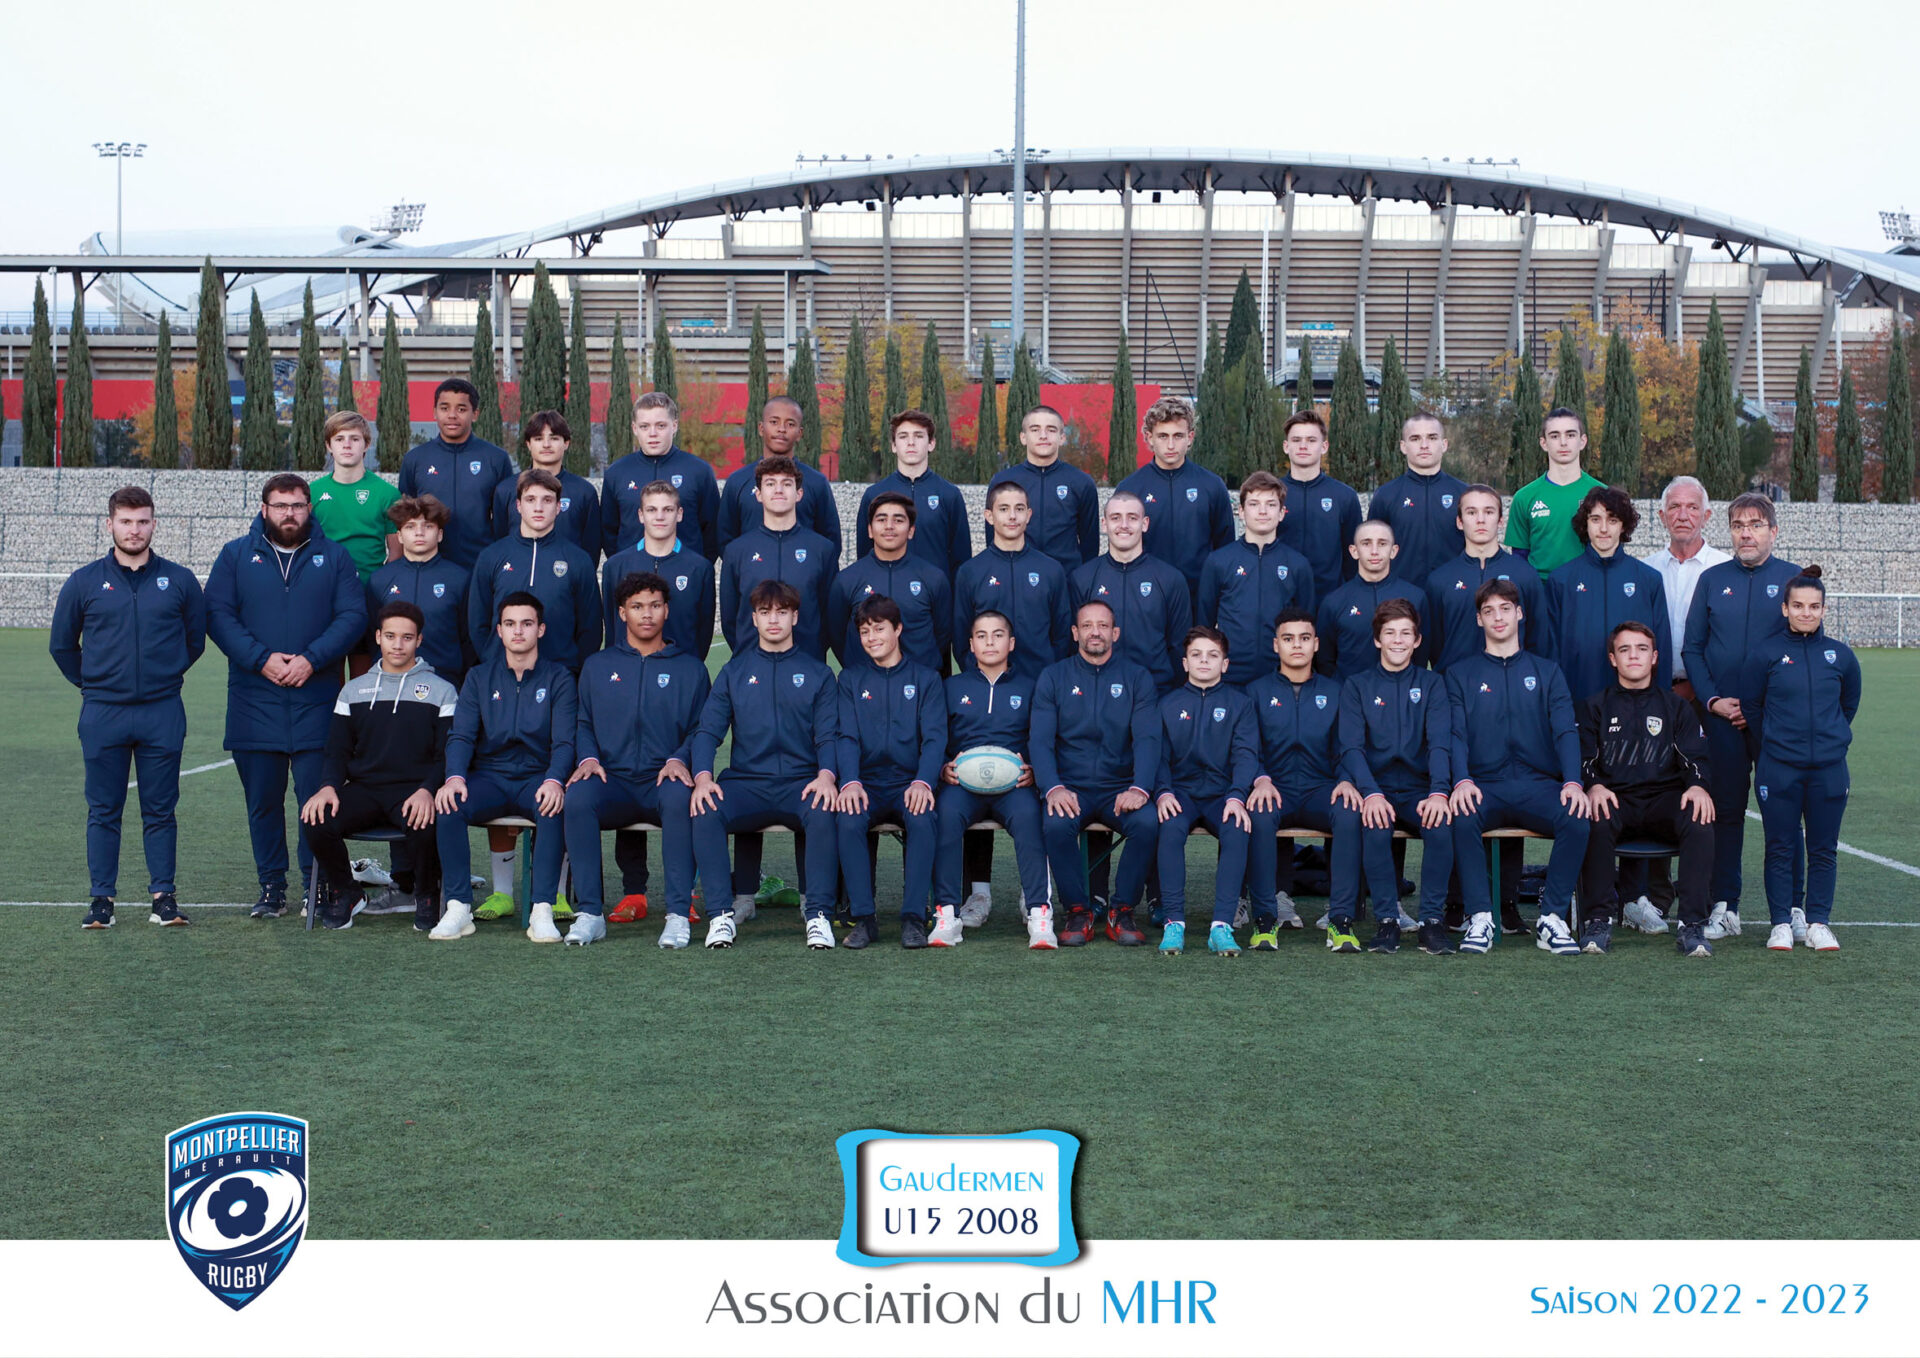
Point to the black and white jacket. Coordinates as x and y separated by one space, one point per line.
1647 740
390 730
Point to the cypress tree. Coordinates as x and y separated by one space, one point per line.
393 427
933 400
579 411
309 396
1896 430
1243 322
896 379
1023 394
484 373
756 384
1396 405
1256 418
1620 436
1303 380
258 435
986 433
1716 434
1526 460
347 401
1849 458
76 421
543 354
40 393
665 377
1755 446
1569 378
1123 432
1803 472
164 453
1349 453
856 414
212 402
803 386
619 399
1217 433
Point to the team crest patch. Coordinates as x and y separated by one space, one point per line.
1320 701
1116 689
559 569
1762 790
1280 571
420 692
909 691
913 588
933 502
1014 702
237 1199
675 480
566 503
800 554
1219 714
1146 589
1531 683
1832 656
1413 695
1655 726
1326 504
162 583
539 695
658 679
361 496
473 467
1627 589
439 589
679 582
799 681
1446 502
1773 591
319 558
1060 492
1033 578
1192 494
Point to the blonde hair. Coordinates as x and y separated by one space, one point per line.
341 421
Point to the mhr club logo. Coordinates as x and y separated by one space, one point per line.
237 1199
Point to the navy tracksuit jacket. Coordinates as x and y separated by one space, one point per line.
914 583
1189 515
1321 516
942 529
554 571
1151 605
1209 755
893 727
1455 621
1396 732
782 707
1299 731
1423 511
1345 624
514 728
1243 587
579 520
740 512
1095 728
462 477
690 594
438 588
1066 509
1031 589
797 555
1592 595
699 500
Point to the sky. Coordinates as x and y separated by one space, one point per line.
503 115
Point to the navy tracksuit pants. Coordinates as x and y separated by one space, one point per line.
488 798
1019 810
593 806
1228 875
752 804
1800 810
263 779
1309 808
1531 804
117 737
1437 850
1139 832
888 802
1730 769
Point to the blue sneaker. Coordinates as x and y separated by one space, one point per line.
1173 938
1220 940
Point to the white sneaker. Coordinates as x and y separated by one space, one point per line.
975 908
1408 924
369 873
1799 925
1641 915
1479 937
1552 935
1289 917
542 929
1324 920
1820 938
819 932
586 929
946 932
1243 913
457 923
744 908
1781 938
1040 928
1722 923
720 930
675 932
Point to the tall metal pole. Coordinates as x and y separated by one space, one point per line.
1020 172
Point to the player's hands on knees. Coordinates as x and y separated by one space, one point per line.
707 795
1696 800
1574 798
589 768
1169 806
1434 811
1346 794
1235 813
822 792
919 798
1129 801
672 770
1063 802
1265 796
1601 801
1376 812
1465 798
418 810
319 806
451 794
550 797
853 797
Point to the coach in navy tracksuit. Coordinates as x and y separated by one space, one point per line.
656 457
891 571
893 740
1736 606
1094 745
1451 613
1014 578
126 629
1065 503
1189 512
1516 761
458 468
422 575
1602 588
1246 584
1422 502
942 528
1345 621
539 560
741 506
285 605
782 549
1149 597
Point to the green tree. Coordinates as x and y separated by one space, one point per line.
803 385
259 436
347 401
895 366
1849 456
1349 452
1257 433
1396 405
665 377
1756 445
579 411
1303 380
1526 459
856 414
1217 434
933 400
1620 430
1896 428
76 421
543 355
483 371
40 405
756 384
1716 435
1803 472
1569 377
619 398
1123 432
986 431
393 427
309 396
164 453
1243 322
1023 394
212 401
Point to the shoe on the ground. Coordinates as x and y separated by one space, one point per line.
1173 937
1340 935
1267 938
1040 935
1552 935
1121 928
1242 914
390 901
1287 914
586 929
1386 936
675 932
820 933
456 922
975 909
865 930
1797 917
774 891
1596 935
720 930
842 915
1641 915
562 912
946 931
1324 920
1434 939
1479 937
1820 937
913 932
1512 922
271 905
1221 942
166 911
541 929
99 914
1406 921
338 914
497 906
1078 928
369 873
1780 938
1724 922
1692 941
426 912
1455 917
744 908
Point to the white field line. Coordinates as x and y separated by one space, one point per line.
1845 847
185 773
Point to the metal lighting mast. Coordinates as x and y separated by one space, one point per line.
1020 173
119 152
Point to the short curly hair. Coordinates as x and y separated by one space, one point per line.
1616 502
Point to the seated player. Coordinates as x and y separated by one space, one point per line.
1209 756
1013 577
891 570
990 703
1516 761
1395 742
539 560
1298 713
546 438
1345 617
386 753
780 703
1152 602
1245 584
509 755
893 740
640 700
1601 588
778 549
1095 747
661 551
1643 753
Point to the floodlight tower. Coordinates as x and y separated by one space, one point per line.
1020 172
120 152
1898 227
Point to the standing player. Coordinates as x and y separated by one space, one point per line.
1064 502
546 437
1245 585
285 606
1149 597
1601 588
1189 515
126 629
421 576
1013 577
539 560
1326 511
661 551
891 570
1419 504
657 457
1547 509
779 547
350 502
943 533
460 469
1346 618
741 499
1450 589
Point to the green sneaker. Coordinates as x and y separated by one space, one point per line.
1267 940
497 906
775 891
1340 936
561 910
1173 938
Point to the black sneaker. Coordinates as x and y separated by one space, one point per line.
1078 927
1511 923
338 914
426 913
1121 929
913 932
1596 935
1386 936
1433 938
166 911
1456 917
271 905
1693 941
863 932
99 914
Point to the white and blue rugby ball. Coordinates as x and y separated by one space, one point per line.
987 769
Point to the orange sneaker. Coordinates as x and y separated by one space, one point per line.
631 910
693 910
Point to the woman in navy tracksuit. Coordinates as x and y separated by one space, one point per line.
1799 696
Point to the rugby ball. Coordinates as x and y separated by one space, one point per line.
987 769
